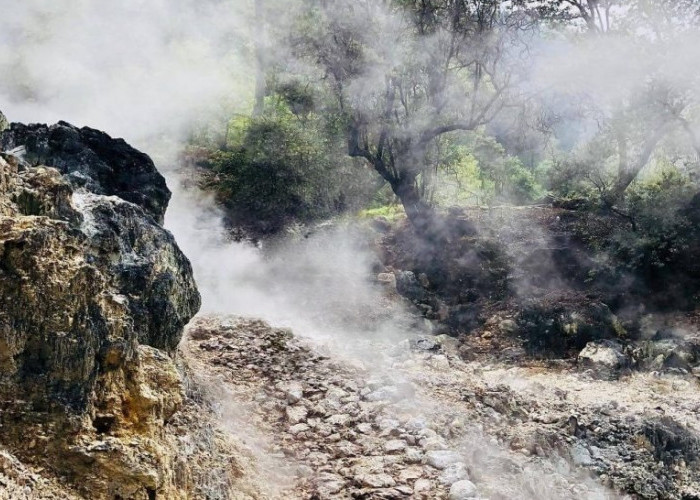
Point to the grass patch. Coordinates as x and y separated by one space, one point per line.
390 212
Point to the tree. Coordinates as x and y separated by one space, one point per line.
595 14
404 73
658 101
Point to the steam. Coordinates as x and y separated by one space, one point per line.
150 71
138 69
318 283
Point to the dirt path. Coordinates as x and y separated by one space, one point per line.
421 423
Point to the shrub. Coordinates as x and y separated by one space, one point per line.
283 167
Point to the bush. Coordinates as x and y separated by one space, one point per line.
284 167
478 170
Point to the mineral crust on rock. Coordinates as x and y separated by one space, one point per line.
94 294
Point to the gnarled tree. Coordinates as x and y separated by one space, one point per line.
405 72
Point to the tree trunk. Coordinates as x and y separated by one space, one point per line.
419 212
627 172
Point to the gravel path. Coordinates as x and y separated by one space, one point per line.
422 423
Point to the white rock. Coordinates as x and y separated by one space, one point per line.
441 458
364 428
296 429
462 490
433 443
296 414
293 391
404 490
415 424
604 359
408 475
580 455
395 445
329 484
376 480
422 486
413 456
453 473
340 419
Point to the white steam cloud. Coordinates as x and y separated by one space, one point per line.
136 68
147 70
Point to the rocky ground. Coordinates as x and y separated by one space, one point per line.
423 423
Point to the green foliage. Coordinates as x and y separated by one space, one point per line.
458 180
655 202
389 212
510 179
660 231
284 166
478 170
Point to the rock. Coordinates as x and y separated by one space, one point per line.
364 428
580 455
376 480
92 160
462 490
433 443
415 424
680 352
395 446
413 456
4 124
440 459
296 414
144 265
298 428
562 324
408 285
347 449
422 486
94 295
508 326
340 420
389 426
410 474
424 344
453 473
604 358
329 484
292 391
404 490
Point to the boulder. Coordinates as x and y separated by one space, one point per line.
564 324
408 285
462 490
92 160
605 359
94 295
676 351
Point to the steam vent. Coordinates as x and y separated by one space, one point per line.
94 298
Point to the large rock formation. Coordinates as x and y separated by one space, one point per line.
91 159
94 294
